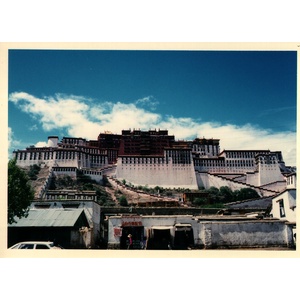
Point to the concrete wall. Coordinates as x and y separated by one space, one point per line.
81 238
253 178
278 186
235 234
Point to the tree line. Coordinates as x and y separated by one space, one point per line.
214 197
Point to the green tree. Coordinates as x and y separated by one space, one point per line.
34 171
123 201
200 201
213 194
225 194
20 193
244 194
213 191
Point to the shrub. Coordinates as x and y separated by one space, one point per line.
123 201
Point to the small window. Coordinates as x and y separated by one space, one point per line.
72 205
26 246
41 246
281 209
43 206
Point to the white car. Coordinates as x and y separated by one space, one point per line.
36 245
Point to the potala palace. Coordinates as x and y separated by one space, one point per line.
155 158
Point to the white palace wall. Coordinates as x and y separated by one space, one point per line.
167 175
269 173
207 180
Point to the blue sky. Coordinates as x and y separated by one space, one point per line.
247 99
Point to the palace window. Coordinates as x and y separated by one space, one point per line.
281 208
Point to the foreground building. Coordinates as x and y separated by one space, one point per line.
68 217
68 228
182 232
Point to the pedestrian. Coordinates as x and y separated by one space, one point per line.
130 245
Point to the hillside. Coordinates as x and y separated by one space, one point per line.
109 193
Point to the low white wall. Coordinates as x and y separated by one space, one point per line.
245 234
207 180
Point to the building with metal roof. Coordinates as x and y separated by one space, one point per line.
66 227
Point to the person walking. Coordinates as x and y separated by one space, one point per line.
130 244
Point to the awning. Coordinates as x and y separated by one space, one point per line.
162 227
183 227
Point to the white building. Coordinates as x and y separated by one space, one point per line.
182 232
187 164
284 206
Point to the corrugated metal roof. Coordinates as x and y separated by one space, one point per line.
49 218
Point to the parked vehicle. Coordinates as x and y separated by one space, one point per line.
36 245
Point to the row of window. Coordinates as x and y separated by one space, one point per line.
154 168
268 160
74 141
91 172
242 154
60 155
73 197
95 159
290 180
222 163
65 155
204 149
143 160
179 157
34 155
62 169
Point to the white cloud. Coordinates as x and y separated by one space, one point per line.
82 117
148 101
10 133
41 144
33 127
12 142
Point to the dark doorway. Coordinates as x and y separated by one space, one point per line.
184 237
137 233
160 240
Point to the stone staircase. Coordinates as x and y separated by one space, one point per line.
263 190
42 182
